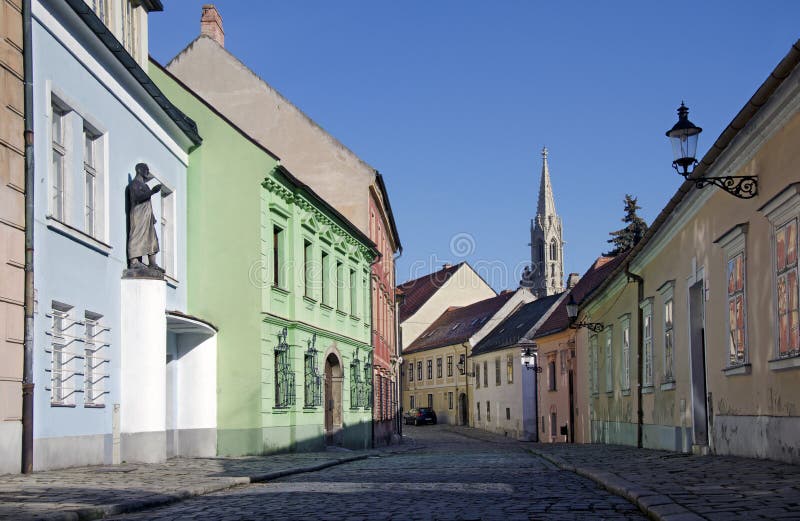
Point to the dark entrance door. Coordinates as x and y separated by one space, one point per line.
571 425
462 407
333 401
697 362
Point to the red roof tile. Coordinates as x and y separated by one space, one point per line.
594 276
417 292
458 324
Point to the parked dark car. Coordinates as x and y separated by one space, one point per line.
420 416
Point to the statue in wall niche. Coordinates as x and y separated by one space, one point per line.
142 238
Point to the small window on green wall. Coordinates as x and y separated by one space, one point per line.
277 261
339 286
325 278
353 293
308 256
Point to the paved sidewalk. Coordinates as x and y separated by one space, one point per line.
95 492
681 487
671 486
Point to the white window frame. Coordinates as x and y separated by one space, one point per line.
63 338
667 292
734 244
609 359
647 342
625 343
780 210
58 164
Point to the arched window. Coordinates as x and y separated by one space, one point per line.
553 250
540 250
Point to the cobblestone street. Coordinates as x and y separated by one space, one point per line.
450 476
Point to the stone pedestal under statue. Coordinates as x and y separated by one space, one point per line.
143 333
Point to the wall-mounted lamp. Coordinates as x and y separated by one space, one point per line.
572 313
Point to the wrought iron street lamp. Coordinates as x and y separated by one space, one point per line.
683 136
572 313
462 366
530 356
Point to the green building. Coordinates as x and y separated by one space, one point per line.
285 278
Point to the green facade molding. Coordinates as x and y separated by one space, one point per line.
266 255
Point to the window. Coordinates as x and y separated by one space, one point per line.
553 250
324 279
625 377
510 369
485 373
419 370
786 268
647 334
488 411
540 250
478 375
733 244
357 385
449 365
439 367
497 371
411 371
450 400
353 294
609 359
58 181
62 384
430 401
284 377
553 424
551 373
563 361
313 381
340 286
669 354
508 413
89 182
593 363
411 403
277 240
95 364
479 412
308 255
429 365
168 230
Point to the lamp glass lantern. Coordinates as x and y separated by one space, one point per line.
572 308
683 136
462 364
528 355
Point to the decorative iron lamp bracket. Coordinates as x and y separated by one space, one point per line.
592 326
741 186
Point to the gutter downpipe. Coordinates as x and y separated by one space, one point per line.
27 353
639 352
398 353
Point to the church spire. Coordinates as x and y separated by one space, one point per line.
547 205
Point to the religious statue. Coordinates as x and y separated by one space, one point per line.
142 239
527 278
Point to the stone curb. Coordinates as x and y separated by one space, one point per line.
657 506
126 507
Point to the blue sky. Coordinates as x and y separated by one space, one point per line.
453 100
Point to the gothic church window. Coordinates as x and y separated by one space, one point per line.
553 250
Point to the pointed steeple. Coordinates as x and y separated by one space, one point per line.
547 205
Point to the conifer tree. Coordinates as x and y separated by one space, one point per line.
626 238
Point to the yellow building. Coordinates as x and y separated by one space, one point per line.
435 365
701 350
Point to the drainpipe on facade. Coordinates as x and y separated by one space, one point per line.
27 352
639 348
465 345
398 349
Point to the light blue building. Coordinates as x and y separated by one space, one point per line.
108 387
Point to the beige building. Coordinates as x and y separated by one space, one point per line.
701 350
504 390
12 235
435 364
424 299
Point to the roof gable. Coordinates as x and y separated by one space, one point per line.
418 291
512 329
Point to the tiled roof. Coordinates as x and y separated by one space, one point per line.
594 276
458 324
417 292
509 331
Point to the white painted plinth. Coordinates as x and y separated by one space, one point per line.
143 356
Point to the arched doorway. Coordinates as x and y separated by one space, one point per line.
462 407
333 400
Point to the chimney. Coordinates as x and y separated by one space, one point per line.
572 279
447 265
211 24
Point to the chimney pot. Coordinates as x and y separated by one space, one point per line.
572 280
211 24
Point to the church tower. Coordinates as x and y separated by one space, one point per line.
546 275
